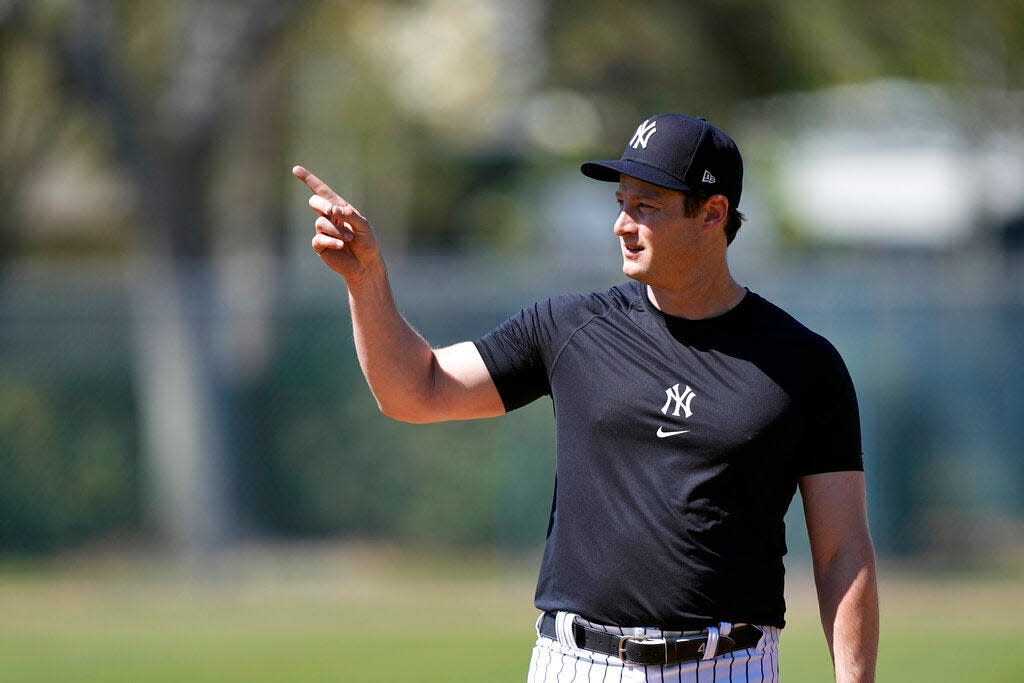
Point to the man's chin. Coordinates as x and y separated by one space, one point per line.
633 272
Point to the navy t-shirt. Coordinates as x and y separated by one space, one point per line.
679 446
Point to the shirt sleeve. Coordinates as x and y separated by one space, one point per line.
515 356
832 439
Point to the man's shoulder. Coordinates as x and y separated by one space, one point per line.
773 318
791 336
583 305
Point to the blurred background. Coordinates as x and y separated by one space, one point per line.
177 380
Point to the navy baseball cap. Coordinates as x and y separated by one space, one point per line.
681 153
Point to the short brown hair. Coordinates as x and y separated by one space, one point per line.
692 203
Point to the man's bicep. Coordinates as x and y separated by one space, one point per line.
462 385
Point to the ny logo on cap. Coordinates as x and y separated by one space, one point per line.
643 133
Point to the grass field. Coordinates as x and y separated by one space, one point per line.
358 614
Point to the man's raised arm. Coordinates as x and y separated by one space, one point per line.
410 381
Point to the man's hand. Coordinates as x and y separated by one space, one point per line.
344 239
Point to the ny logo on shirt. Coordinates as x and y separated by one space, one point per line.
682 400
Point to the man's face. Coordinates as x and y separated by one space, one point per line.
659 243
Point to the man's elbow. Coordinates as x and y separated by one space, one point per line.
409 412
412 417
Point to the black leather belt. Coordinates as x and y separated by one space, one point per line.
650 650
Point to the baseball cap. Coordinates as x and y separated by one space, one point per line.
678 152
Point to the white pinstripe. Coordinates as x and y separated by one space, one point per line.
560 661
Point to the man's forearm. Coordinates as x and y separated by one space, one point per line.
848 597
396 361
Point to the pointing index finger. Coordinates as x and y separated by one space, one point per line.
316 185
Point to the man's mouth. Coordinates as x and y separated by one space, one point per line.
631 250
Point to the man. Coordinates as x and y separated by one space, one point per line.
688 412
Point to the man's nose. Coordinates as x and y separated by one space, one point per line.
623 225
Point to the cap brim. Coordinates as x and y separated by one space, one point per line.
609 171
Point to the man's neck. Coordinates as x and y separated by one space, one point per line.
698 301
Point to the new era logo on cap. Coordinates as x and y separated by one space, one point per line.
688 154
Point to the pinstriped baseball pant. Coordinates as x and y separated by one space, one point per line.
560 661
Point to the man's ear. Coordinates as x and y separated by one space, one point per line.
716 211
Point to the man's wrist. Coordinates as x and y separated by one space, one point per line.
370 278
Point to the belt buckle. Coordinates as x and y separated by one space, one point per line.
623 640
622 646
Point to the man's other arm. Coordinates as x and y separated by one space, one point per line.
844 571
411 381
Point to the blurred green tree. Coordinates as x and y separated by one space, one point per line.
166 87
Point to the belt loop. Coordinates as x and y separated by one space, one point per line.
563 628
712 647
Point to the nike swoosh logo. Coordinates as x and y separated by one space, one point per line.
662 433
